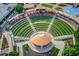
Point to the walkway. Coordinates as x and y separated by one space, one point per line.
59 42
9 40
50 25
64 37
40 49
20 45
30 23
55 6
60 45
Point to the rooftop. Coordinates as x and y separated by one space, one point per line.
5 8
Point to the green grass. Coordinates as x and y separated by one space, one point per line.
63 5
41 26
54 51
40 18
60 28
41 23
47 5
26 47
60 9
22 28
52 3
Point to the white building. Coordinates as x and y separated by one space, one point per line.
5 9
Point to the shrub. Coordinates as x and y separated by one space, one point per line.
13 53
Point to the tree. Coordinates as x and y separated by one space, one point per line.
70 52
74 51
19 8
26 47
76 33
13 53
22 4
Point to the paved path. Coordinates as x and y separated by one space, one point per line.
40 4
20 47
20 50
55 6
30 23
64 37
60 45
40 50
9 40
50 25
21 38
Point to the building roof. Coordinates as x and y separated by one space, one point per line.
28 5
5 9
41 39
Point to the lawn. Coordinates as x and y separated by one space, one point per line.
22 28
26 47
41 23
40 18
54 51
63 5
60 9
60 28
47 5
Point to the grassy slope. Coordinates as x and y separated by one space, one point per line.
58 28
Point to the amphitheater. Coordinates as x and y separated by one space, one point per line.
58 26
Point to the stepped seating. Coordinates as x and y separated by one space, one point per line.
41 26
60 28
22 28
41 23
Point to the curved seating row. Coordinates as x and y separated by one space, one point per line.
68 19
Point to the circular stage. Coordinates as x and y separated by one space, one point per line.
41 42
